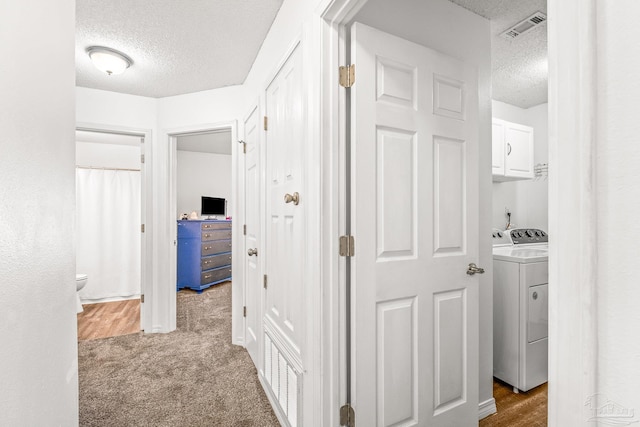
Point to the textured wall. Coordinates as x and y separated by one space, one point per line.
38 353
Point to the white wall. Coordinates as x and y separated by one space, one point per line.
95 154
528 199
202 174
38 352
425 22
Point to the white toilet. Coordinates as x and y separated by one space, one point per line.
81 280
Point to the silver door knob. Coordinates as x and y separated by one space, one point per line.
295 198
473 269
252 251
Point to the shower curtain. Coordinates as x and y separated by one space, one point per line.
108 233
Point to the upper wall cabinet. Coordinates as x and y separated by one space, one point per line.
512 156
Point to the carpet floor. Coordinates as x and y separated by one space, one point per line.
193 376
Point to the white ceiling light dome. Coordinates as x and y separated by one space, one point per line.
109 60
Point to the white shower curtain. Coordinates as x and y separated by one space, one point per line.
108 232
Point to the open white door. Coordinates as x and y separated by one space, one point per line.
253 283
415 220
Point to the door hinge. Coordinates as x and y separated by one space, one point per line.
265 122
244 311
347 416
142 298
264 282
347 246
244 146
347 75
244 229
142 228
141 158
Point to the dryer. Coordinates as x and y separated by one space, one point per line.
520 308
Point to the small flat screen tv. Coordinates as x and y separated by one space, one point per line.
213 206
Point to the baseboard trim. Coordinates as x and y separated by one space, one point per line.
273 401
486 408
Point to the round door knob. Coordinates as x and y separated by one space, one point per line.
252 252
295 198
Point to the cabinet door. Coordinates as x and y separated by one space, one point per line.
518 143
497 147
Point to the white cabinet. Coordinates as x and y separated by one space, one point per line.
512 156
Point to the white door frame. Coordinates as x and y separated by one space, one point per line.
146 259
236 213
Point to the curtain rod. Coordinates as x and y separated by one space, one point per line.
108 169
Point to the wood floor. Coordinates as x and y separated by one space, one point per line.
109 319
518 409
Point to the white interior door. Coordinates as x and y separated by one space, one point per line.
285 235
252 237
415 220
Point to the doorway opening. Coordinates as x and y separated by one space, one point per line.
110 244
202 205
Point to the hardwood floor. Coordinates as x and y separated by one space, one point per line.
109 319
514 410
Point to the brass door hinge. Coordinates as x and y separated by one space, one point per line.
244 229
142 298
347 416
244 311
264 284
266 121
347 75
347 246
141 158
244 146
142 228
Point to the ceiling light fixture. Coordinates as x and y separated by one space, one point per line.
109 60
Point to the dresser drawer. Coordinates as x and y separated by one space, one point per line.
215 275
216 235
215 261
215 247
223 225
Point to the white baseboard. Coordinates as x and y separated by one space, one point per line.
486 408
109 299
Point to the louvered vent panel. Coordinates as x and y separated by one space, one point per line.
524 26
283 380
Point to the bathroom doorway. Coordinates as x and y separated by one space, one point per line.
109 231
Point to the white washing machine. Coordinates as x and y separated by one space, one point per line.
520 307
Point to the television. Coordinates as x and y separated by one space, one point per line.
213 206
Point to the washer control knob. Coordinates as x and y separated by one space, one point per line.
529 233
538 233
494 235
500 234
520 234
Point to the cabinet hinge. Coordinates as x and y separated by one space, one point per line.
347 416
141 158
244 311
264 282
347 246
265 122
142 298
244 229
142 228
244 146
347 75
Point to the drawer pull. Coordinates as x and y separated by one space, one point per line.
207 262
208 276
206 236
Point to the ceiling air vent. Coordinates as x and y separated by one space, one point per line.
524 26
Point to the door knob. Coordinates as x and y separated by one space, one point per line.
473 269
252 251
288 198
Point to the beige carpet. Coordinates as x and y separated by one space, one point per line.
191 377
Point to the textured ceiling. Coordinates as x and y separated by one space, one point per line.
177 46
519 66
218 142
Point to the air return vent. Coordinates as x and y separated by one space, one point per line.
524 26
